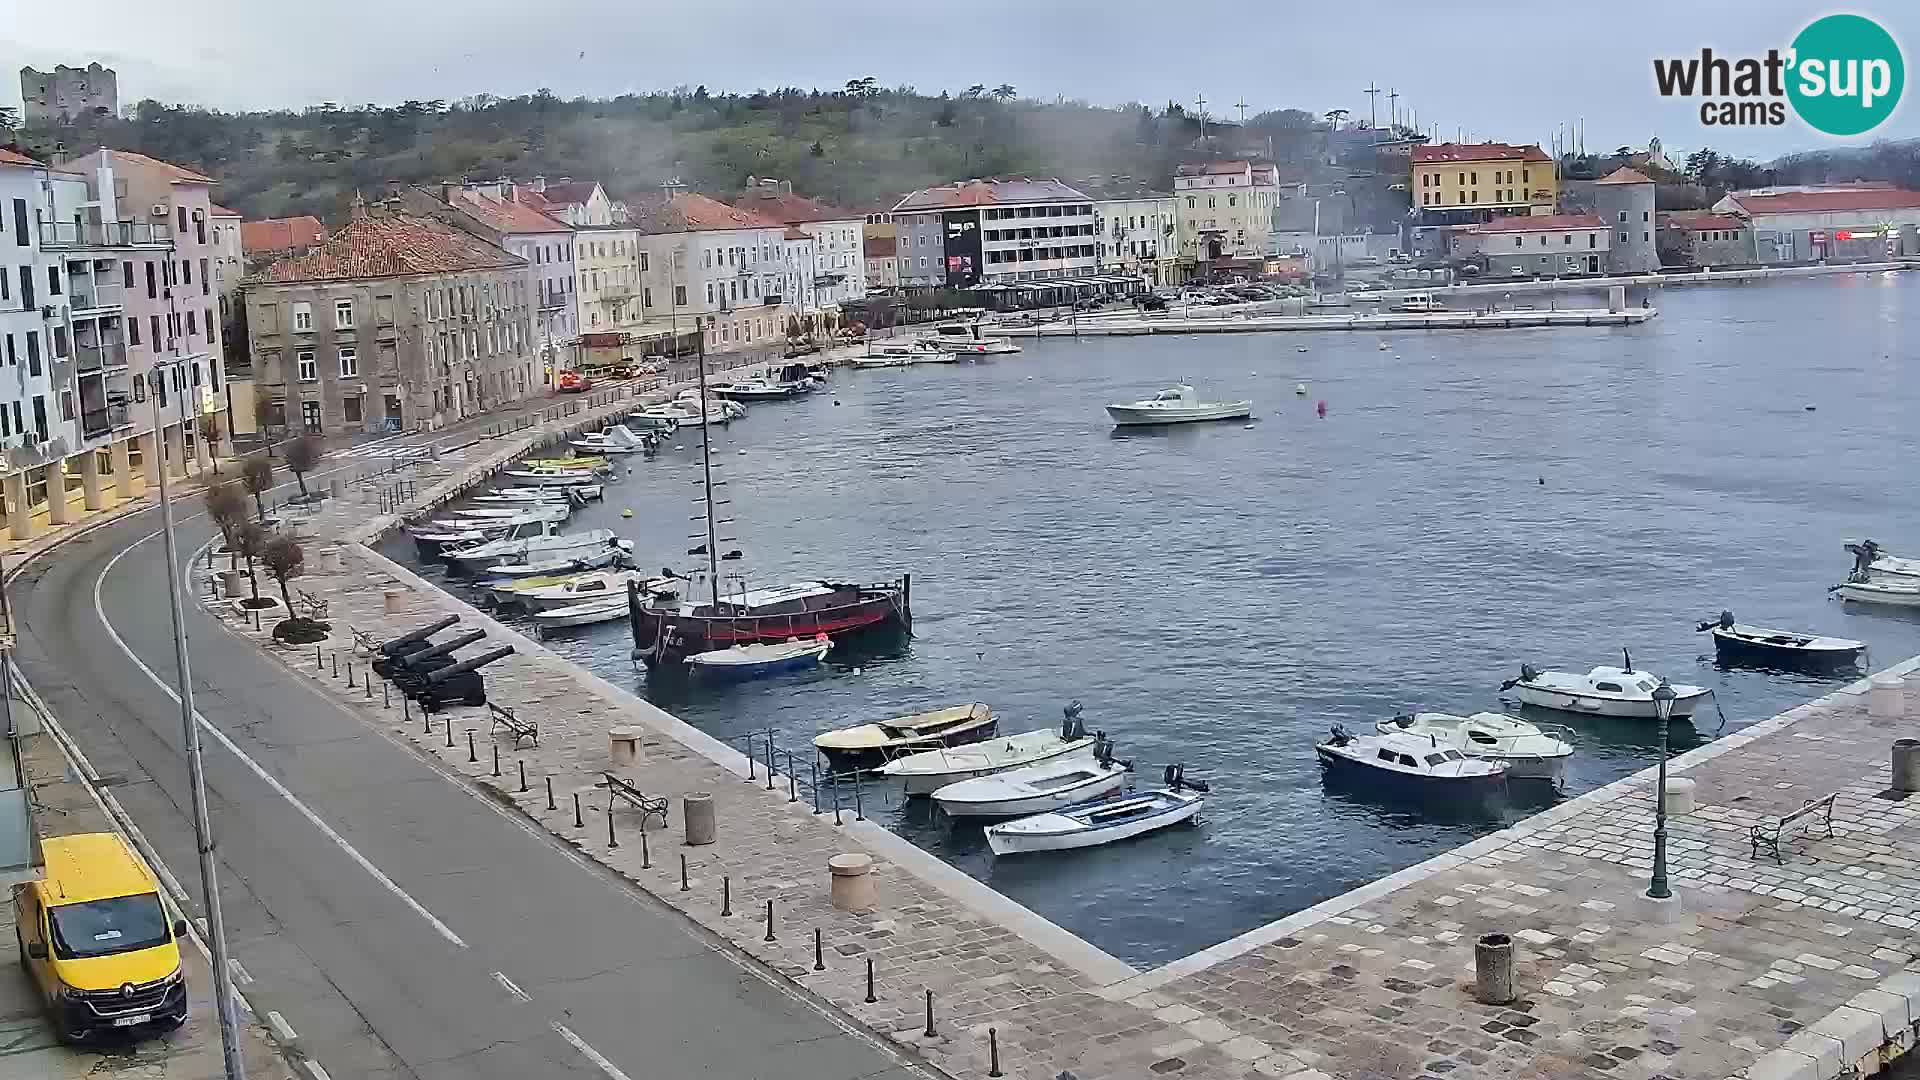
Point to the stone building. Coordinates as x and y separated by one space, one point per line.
397 322
1704 238
1624 200
1548 246
68 93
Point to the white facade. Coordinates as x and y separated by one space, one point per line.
1225 209
1136 235
30 412
800 283
607 279
1056 240
840 272
728 282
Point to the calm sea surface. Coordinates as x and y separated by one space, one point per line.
1220 595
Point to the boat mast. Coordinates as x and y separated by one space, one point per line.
706 473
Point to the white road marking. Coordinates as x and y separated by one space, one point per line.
282 1030
591 1054
268 778
509 986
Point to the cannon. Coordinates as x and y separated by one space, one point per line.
395 667
415 640
461 682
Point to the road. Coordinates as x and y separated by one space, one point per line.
404 925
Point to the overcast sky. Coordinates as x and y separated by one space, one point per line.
1495 69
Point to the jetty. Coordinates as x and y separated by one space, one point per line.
1132 325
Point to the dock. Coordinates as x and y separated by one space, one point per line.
1131 325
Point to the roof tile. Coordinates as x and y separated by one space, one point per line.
1438 153
791 209
280 234
1818 202
687 212
965 193
9 157
1624 175
389 244
508 217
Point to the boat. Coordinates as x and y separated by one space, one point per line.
655 419
543 510
435 540
879 361
803 377
928 771
550 476
570 461
754 390
719 409
911 351
618 553
1177 405
1603 691
1408 762
531 549
1869 558
1529 752
965 338
582 587
741 662
868 746
520 496
1890 593
615 439
1036 789
587 614
1741 643
1100 821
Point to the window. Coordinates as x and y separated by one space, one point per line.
26 287
1623 236
153 323
181 212
1567 240
1646 216
350 409
133 331
680 295
1435 759
192 328
306 369
349 363
343 314
33 352
20 236
1593 240
1517 241
302 318
643 262
1607 686
1623 217
205 287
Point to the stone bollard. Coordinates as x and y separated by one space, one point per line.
853 888
696 809
232 582
396 601
329 559
337 487
1680 795
623 746
1906 765
1886 697
1493 969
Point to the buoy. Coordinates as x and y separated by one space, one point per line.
1383 345
836 401
1321 409
856 671
1300 388
1300 348
627 513
1810 408
1543 481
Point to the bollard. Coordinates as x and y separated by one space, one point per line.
835 778
793 785
319 659
858 813
769 759
472 755
406 713
1906 765
870 999
612 842
930 1033
1493 969
819 955
813 781
646 856
496 757
550 805
386 694
522 762
336 665
684 883
993 1053
1885 696
769 936
696 811
577 823
726 895
752 775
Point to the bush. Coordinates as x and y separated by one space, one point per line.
301 631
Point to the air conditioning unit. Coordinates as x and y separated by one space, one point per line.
46 312
157 210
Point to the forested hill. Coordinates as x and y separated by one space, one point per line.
852 147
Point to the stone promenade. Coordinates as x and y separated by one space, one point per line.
1804 968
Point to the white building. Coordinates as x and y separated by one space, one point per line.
1225 209
503 213
1843 222
798 282
1137 236
996 231
706 265
839 261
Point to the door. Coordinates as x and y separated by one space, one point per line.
27 924
310 416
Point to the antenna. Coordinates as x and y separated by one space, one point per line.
1393 108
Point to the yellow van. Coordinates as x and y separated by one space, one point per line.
94 938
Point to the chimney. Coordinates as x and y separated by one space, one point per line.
537 184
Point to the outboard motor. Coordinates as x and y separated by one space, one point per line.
1527 674
1340 735
1176 778
1071 728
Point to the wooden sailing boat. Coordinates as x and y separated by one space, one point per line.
667 631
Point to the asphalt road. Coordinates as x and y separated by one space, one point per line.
403 924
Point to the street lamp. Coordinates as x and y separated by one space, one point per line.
1663 696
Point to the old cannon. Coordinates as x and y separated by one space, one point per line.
414 665
415 640
461 683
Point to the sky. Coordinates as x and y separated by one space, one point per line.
1492 70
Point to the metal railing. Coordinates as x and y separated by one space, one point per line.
95 423
56 234
83 296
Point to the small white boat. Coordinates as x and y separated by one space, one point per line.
1419 302
755 390
614 439
582 588
619 552
966 338
519 496
587 614
438 539
761 658
1408 762
1891 593
544 510
1741 643
718 408
551 476
1101 821
928 771
1872 562
909 352
879 361
868 746
1034 789
1177 405
1530 753
531 549
1603 691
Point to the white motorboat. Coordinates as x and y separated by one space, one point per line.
966 339
617 553
720 409
1101 821
879 361
928 771
437 539
551 476
587 614
1891 593
912 351
1871 561
754 390
1603 691
654 418
1419 302
543 510
1177 405
1530 753
518 496
868 746
582 588
1408 762
1742 643
614 439
751 661
531 549
1034 789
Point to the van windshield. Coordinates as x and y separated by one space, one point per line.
104 927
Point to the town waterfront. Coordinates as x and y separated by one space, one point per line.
1219 596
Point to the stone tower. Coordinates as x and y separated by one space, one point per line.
1624 200
66 94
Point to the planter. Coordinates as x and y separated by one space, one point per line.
267 607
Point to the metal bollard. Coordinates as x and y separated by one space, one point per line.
835 778
684 883
550 805
813 781
386 694
612 842
726 895
751 774
930 1033
366 683
336 665
577 823
769 936
858 785
496 756
819 954
646 857
472 755
1493 969
319 659
769 759
870 999
522 762
350 682
793 783
993 1053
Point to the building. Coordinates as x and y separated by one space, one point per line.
1703 238
799 265
709 267
397 322
1837 223
229 259
66 94
268 240
582 204
883 261
1225 212
877 222
995 232
607 279
840 271
546 243
1464 183
229 267
1547 246
1624 200
36 433
1138 235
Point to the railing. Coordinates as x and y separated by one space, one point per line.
91 358
56 234
102 295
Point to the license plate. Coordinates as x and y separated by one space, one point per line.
132 1021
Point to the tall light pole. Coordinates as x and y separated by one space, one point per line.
1663 696
196 774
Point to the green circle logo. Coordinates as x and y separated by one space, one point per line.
1847 75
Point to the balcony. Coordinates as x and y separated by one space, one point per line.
103 357
84 295
55 235
95 423
611 292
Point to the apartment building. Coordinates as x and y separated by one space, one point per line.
839 260
996 231
710 266
1138 235
1224 210
883 262
397 322
1462 183
547 244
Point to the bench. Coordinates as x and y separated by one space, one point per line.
316 607
1812 814
648 805
364 644
504 717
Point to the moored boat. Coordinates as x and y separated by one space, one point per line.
868 746
615 439
583 614
741 662
531 549
1529 752
754 390
926 772
1871 562
1603 691
1177 405
435 540
618 553
552 476
1399 760
593 585
1741 643
669 632
1890 593
1034 789
1101 821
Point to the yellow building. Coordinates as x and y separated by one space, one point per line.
1478 181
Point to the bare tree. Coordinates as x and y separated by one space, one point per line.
303 454
211 432
264 415
250 539
257 476
285 561
227 508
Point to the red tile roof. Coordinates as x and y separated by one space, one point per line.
1263 172
388 244
1010 190
1820 202
1698 220
176 173
1438 153
508 217
280 234
1624 175
216 210
687 212
879 247
791 209
8 157
1542 223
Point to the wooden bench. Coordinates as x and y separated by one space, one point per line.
648 805
316 607
504 717
364 643
1813 814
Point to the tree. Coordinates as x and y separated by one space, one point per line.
1003 93
264 414
974 91
303 454
250 539
211 432
257 477
284 561
227 508
1336 117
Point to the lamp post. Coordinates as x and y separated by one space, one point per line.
1663 696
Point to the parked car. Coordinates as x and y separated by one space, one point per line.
1151 302
573 382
